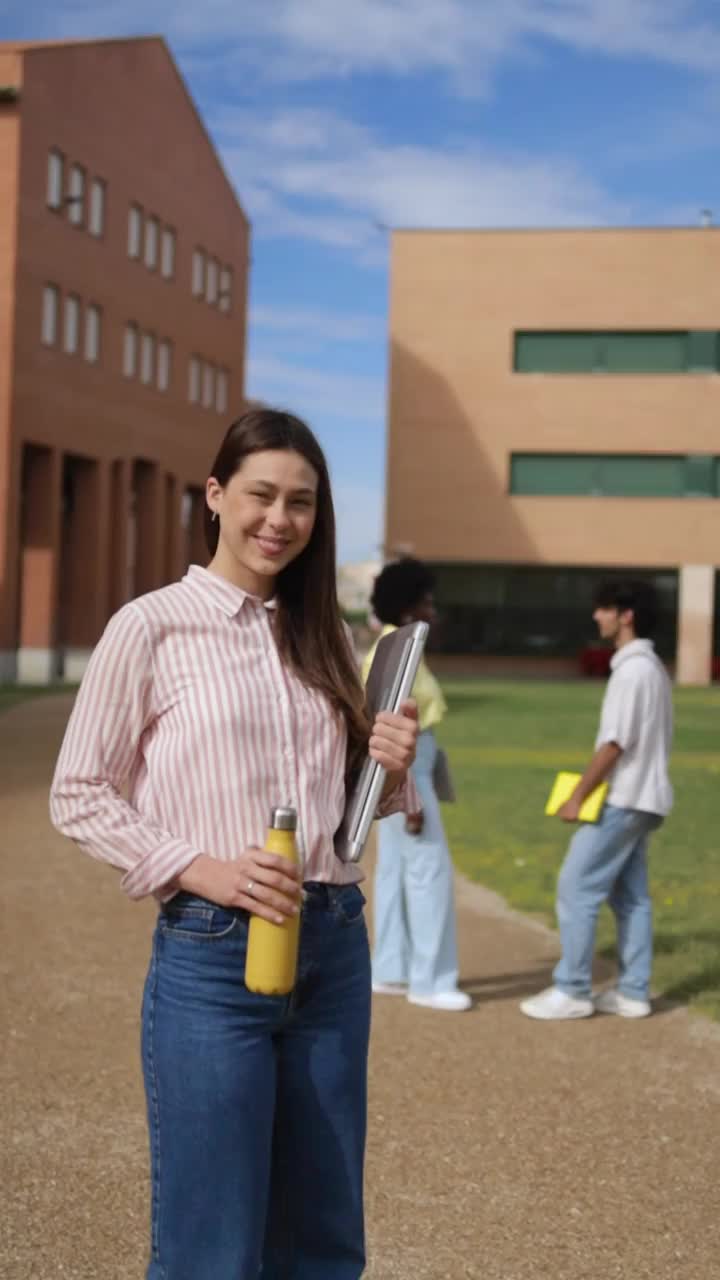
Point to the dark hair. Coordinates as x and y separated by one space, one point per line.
631 594
309 630
399 588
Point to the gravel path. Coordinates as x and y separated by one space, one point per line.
499 1148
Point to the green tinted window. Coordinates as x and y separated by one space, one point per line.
603 351
615 475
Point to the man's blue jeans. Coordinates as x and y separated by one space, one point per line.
607 862
257 1104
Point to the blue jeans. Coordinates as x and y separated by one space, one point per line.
607 862
414 908
257 1104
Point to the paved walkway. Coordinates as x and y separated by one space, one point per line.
499 1148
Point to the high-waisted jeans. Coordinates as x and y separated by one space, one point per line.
257 1104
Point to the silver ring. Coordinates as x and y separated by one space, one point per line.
250 884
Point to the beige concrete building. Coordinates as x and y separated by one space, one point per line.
123 281
554 415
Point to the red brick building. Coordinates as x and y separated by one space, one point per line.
123 282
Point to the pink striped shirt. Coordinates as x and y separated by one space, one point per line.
186 701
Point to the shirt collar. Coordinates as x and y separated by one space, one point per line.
631 650
220 592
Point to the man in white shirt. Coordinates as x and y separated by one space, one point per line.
607 861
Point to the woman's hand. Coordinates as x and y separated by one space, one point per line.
393 741
265 884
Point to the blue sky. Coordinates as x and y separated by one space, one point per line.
335 118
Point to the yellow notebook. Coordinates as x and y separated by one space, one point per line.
563 787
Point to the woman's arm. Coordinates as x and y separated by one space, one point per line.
113 708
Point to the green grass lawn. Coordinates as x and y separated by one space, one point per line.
11 694
507 740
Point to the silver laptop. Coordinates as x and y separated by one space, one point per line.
390 681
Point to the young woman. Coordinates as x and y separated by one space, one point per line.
213 700
415 950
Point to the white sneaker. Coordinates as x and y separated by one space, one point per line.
451 1001
390 988
553 1004
613 1001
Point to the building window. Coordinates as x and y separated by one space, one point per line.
72 324
616 475
135 221
198 273
76 196
164 363
50 314
167 253
152 229
130 351
221 391
96 221
208 386
211 281
147 358
55 179
194 380
225 297
92 334
651 352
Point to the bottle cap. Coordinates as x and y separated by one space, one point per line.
283 818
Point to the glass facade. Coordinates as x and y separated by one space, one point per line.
533 611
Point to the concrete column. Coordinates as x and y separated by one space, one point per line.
39 565
84 580
149 522
695 623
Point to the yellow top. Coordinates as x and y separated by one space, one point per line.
426 690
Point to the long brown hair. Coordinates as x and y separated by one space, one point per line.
309 630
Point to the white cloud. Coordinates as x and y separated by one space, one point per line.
317 322
343 397
347 184
464 39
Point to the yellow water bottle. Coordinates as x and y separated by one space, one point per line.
272 949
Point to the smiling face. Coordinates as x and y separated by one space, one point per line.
266 514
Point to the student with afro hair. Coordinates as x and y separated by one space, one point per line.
415 952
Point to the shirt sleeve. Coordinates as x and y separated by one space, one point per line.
103 740
622 714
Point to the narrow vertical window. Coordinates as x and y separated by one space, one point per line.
208 386
147 358
211 282
135 219
130 351
198 273
225 297
221 391
164 361
167 253
194 380
55 179
50 314
72 324
152 229
76 196
93 317
96 221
